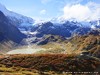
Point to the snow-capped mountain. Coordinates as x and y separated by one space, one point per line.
65 28
17 19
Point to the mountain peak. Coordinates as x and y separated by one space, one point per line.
15 16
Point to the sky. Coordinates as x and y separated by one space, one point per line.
47 9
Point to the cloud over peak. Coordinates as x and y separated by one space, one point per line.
43 12
89 11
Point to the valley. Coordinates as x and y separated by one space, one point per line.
54 57
53 47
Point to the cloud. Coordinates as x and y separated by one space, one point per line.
45 1
42 12
90 11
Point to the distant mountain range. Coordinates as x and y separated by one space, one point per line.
66 29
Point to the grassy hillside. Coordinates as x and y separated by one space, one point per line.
90 43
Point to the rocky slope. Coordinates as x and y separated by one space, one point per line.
8 30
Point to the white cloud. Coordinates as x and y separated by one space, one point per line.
90 11
45 1
42 12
